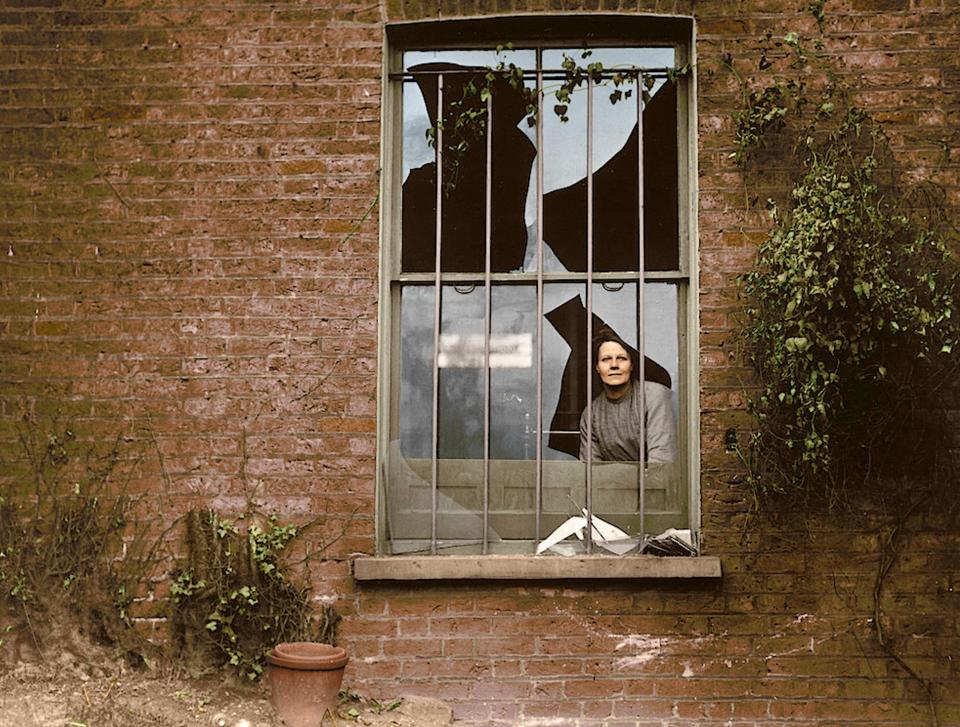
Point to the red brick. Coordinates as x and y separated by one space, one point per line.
501 690
590 688
508 668
443 627
563 709
552 667
460 647
505 646
412 647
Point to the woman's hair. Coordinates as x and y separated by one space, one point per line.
607 335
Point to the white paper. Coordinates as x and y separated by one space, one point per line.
602 530
606 535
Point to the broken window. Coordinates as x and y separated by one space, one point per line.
517 239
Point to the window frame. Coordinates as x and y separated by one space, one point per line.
546 31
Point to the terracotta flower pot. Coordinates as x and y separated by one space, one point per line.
305 680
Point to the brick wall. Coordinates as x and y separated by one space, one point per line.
183 263
189 257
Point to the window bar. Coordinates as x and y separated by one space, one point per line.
640 308
437 295
487 324
590 365
538 472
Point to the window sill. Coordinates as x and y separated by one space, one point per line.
524 567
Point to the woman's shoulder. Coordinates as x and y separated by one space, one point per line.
655 389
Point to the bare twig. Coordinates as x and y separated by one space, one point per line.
113 683
106 180
888 556
356 226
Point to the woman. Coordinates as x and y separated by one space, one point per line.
617 412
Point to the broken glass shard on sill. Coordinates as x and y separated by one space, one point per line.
605 535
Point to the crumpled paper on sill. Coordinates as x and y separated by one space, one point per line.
606 535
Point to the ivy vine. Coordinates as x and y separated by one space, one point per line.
850 313
233 597
464 121
851 310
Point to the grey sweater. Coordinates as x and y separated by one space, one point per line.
616 426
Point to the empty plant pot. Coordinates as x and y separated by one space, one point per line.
305 680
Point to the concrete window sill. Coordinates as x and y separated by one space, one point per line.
525 567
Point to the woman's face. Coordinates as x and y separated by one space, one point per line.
613 364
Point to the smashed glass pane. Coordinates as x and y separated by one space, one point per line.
464 176
615 200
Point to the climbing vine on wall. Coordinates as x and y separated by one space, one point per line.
851 310
235 595
850 313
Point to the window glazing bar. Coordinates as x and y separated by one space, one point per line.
437 295
487 323
590 365
518 278
549 74
538 472
640 312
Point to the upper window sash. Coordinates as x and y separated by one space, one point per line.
515 197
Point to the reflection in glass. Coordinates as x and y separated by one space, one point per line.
461 366
415 344
513 383
461 385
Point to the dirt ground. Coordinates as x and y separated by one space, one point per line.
51 675
75 695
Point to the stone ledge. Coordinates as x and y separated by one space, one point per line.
523 567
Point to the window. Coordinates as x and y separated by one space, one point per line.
508 247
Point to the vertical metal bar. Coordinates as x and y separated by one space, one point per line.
487 324
437 295
538 495
589 343
640 307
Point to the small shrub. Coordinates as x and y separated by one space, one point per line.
69 546
232 598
